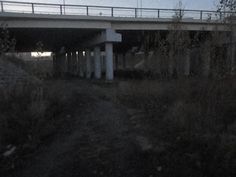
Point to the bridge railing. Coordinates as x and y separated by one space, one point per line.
69 9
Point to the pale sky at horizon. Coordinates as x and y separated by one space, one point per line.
187 4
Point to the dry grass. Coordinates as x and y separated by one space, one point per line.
30 114
194 119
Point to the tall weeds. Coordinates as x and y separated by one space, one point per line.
193 119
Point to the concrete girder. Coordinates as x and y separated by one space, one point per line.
18 20
108 35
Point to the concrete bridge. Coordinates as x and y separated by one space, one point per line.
72 31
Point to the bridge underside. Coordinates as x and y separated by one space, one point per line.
74 55
52 39
71 39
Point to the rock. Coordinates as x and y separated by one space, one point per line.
144 143
9 152
159 168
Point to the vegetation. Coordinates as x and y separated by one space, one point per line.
192 123
227 5
7 43
211 52
30 114
30 111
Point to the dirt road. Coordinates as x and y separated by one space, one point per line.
101 141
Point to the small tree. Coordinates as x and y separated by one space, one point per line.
178 40
6 42
179 13
229 5
39 48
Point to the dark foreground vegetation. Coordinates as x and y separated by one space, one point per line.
190 124
193 123
29 114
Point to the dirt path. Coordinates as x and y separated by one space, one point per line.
101 143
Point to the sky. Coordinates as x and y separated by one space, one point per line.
187 4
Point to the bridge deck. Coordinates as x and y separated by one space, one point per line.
72 25
107 11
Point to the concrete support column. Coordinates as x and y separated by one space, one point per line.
77 64
55 64
116 61
187 63
73 63
233 59
109 61
81 63
60 64
233 56
171 63
157 62
206 59
69 62
88 63
124 61
97 62
64 63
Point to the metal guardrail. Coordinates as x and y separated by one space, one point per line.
108 11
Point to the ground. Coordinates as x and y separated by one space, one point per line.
101 141
137 128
